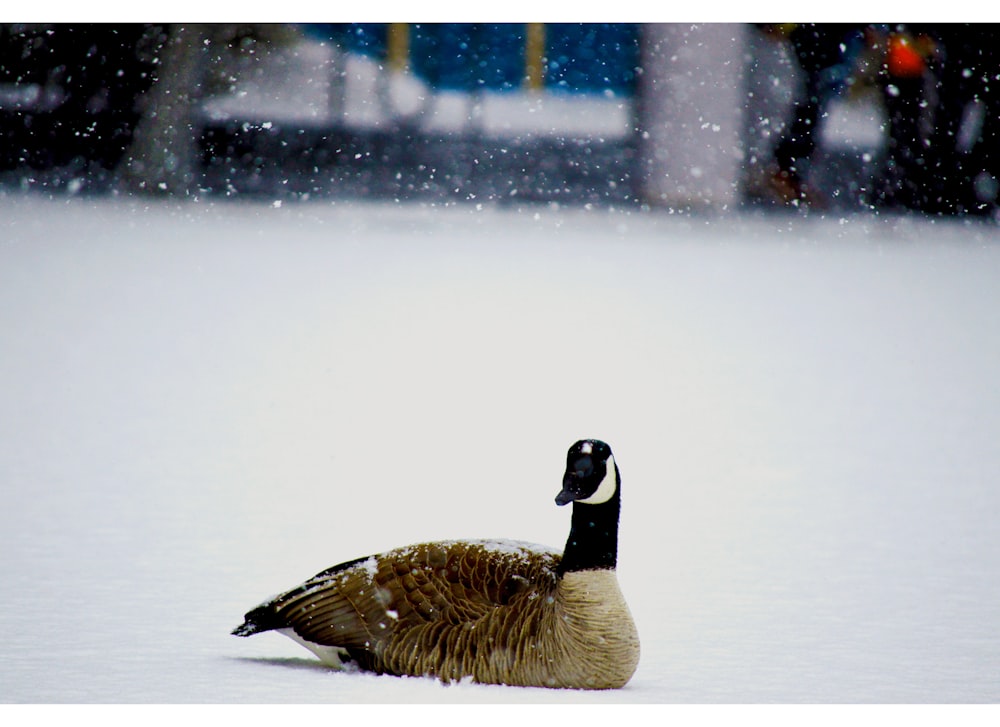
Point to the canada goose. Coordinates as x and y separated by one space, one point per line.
498 612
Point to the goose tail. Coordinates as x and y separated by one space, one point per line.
258 620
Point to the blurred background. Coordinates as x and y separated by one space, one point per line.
802 116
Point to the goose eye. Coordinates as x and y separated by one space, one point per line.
583 467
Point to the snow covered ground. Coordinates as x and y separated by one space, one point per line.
205 403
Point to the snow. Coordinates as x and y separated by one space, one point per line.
206 403
294 84
853 124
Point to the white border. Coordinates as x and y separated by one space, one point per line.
508 11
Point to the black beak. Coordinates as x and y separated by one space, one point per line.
565 497
569 492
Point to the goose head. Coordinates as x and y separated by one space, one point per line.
591 476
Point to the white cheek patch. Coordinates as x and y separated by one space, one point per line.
606 490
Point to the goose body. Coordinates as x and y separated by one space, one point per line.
495 612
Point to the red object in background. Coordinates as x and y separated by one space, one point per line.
902 60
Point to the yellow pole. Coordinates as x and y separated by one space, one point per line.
398 46
534 56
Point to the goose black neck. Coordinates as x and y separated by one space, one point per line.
593 537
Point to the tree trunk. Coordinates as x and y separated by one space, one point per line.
690 114
163 157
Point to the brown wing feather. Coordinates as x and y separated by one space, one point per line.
361 605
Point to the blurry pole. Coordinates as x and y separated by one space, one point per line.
690 113
534 56
337 96
163 157
398 47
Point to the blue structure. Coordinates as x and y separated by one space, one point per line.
592 57
577 57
